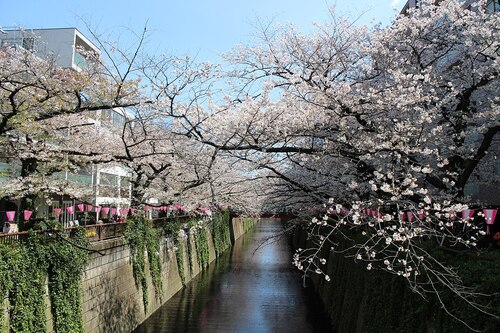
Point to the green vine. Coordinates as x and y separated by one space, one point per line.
142 238
25 266
28 272
202 252
66 264
248 223
5 283
180 261
221 232
172 229
190 252
153 249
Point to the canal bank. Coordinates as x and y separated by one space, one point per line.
113 302
358 300
251 288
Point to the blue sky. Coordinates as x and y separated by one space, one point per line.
201 28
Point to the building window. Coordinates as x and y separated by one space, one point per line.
124 187
113 118
108 185
83 176
80 60
493 6
106 116
28 43
118 119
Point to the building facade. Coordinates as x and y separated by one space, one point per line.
110 185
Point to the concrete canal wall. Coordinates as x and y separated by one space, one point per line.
111 300
364 301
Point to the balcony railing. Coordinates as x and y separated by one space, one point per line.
80 61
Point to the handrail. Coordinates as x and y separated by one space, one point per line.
95 232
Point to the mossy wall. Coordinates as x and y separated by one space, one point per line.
112 301
240 225
364 301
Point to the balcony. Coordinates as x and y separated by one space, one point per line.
80 61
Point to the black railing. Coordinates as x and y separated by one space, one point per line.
95 232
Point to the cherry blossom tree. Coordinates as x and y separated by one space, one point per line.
385 127
37 100
53 122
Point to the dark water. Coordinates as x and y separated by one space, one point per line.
244 291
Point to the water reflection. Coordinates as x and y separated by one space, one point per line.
244 292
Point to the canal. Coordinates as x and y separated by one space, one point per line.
251 288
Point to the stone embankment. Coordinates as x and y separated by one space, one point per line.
111 300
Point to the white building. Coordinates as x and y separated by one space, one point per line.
110 185
491 5
66 46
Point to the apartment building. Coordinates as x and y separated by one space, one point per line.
66 46
479 187
110 186
491 5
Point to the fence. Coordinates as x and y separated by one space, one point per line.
95 232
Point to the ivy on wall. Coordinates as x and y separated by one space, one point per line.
25 266
66 264
248 223
142 239
221 232
180 261
172 229
202 252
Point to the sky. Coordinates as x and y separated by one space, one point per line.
200 28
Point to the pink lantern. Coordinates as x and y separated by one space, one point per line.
402 216
490 215
467 214
124 211
98 209
421 214
105 210
410 216
113 211
57 211
70 209
10 215
146 208
80 207
89 208
27 214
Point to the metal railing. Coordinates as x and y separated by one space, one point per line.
94 232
